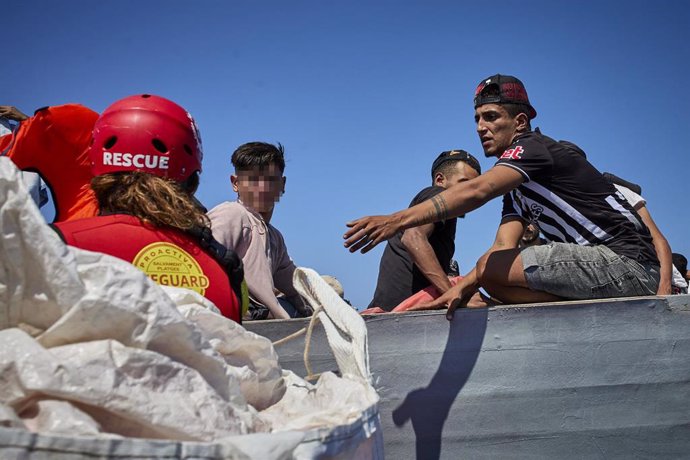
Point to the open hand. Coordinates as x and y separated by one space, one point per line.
365 233
12 113
454 298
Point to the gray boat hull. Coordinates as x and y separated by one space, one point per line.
598 379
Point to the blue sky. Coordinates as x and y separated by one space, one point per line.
364 95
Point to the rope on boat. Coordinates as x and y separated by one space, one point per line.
288 338
345 328
307 343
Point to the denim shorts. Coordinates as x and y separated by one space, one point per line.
572 271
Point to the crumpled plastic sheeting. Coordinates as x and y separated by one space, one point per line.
60 418
89 344
76 296
131 392
333 401
121 303
256 365
8 419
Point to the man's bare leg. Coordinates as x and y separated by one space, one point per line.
479 300
502 275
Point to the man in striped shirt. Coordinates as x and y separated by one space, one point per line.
599 245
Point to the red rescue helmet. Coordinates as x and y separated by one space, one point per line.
146 133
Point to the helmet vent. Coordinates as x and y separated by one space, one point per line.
145 95
110 142
159 145
188 149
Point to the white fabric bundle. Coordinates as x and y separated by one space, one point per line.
90 346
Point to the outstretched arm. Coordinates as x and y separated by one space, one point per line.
416 241
367 232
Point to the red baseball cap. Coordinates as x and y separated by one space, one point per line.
510 91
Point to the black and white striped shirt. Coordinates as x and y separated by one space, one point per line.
570 200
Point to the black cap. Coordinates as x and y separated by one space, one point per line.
455 155
510 91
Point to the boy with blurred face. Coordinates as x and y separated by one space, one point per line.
259 188
600 247
420 256
244 226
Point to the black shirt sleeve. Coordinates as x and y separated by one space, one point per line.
510 206
528 156
424 195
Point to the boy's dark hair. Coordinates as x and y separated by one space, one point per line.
260 154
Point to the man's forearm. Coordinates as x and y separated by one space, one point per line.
663 251
460 198
262 292
425 259
438 208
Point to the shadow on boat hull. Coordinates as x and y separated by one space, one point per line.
596 379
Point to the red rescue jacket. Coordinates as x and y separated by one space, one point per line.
55 143
169 257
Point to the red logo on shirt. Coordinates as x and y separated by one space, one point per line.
513 154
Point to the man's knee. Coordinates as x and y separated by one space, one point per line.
501 268
480 269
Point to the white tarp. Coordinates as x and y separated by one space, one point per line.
90 347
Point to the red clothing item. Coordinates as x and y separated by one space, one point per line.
54 143
427 294
167 256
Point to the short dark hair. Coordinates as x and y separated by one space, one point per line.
516 109
447 168
261 154
445 162
680 262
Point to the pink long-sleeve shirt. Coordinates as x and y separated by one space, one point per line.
267 264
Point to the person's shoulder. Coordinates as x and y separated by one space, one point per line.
275 233
531 138
230 212
113 222
228 207
426 193
631 197
536 137
533 144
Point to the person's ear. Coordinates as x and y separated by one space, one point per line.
439 179
284 181
522 122
234 181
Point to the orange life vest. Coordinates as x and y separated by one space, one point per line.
169 257
54 142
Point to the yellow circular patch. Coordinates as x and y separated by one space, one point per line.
170 265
